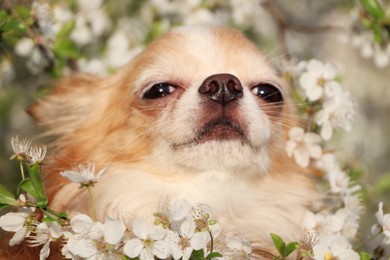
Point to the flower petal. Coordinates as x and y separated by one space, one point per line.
113 231
84 248
133 248
18 236
12 221
81 224
45 251
161 249
199 240
140 228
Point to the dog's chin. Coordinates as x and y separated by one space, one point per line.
222 147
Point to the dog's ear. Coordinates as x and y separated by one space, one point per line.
73 102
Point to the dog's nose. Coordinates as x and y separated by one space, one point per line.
222 88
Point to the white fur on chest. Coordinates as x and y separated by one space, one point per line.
250 208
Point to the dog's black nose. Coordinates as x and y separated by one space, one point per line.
222 88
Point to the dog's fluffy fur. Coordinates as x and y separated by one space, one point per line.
154 148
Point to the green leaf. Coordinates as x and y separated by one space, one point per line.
291 247
36 180
374 8
213 254
64 33
197 255
279 243
42 202
7 197
27 186
364 256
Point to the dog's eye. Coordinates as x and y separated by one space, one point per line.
159 90
268 92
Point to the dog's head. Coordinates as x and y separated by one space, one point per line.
196 99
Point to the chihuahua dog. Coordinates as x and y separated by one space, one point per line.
198 115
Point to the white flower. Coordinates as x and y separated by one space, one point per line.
91 22
334 247
338 180
148 242
92 66
384 221
203 220
381 55
36 154
303 146
336 113
237 248
45 233
20 146
15 222
187 240
24 47
318 78
113 231
84 174
82 242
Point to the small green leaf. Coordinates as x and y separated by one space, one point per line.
36 180
197 255
64 33
364 256
278 242
291 247
7 197
213 254
374 8
42 202
28 187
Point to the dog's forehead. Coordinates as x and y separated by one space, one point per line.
192 54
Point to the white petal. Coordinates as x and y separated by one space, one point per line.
96 231
290 147
161 249
113 231
81 224
157 233
140 228
18 236
74 176
146 254
45 251
379 213
314 93
12 221
199 240
24 47
55 230
330 71
187 228
301 157
133 248
187 253
315 151
82 247
296 134
326 131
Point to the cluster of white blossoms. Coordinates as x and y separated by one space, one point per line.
330 107
176 232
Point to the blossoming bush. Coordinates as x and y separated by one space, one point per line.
55 39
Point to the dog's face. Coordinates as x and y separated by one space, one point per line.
195 99
213 100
